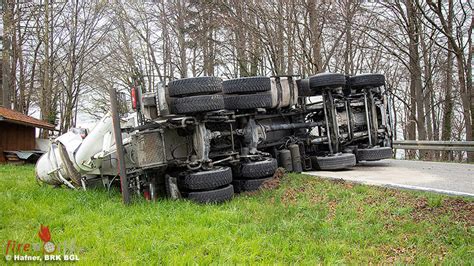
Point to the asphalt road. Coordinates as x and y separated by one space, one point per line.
447 178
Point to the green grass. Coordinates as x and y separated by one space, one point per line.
307 220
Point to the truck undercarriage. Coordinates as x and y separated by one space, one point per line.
205 139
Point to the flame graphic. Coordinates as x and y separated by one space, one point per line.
44 233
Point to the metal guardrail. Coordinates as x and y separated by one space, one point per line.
434 145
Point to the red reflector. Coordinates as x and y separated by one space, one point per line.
146 194
134 98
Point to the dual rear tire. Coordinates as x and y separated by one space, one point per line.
366 80
325 81
217 185
247 93
194 95
211 186
204 94
252 175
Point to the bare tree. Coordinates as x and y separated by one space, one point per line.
460 43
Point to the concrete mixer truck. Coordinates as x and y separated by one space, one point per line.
205 139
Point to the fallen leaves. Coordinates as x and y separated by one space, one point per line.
460 210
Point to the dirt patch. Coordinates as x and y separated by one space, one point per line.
275 181
290 195
272 183
382 194
401 254
402 196
332 210
459 209
371 200
338 181
348 185
406 253
317 198
343 182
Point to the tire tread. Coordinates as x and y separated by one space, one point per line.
256 170
370 80
374 154
323 80
246 85
206 180
336 162
194 104
248 101
194 86
212 196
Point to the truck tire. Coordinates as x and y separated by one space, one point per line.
212 196
206 180
194 86
367 80
374 154
334 162
246 85
242 185
248 101
195 104
303 88
259 169
324 80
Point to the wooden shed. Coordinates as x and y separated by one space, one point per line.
17 131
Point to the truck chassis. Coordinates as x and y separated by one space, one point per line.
205 139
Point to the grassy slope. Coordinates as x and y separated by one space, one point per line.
306 220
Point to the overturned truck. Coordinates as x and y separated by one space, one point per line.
205 139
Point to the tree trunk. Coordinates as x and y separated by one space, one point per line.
21 104
45 104
240 40
348 60
464 65
183 69
448 100
416 86
465 100
315 37
6 53
427 96
14 60
470 155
